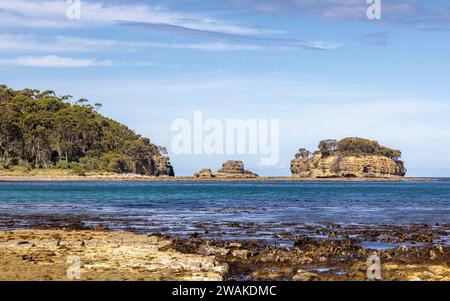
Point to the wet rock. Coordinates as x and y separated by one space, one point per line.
243 254
322 259
433 255
210 250
303 275
305 243
234 245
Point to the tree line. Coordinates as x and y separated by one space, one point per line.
43 130
351 146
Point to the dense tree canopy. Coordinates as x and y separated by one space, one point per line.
42 130
352 146
360 146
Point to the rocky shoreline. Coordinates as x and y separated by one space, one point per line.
140 178
333 252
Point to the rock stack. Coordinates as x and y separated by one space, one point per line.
336 166
348 158
162 167
229 169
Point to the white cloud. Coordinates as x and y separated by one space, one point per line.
53 61
53 14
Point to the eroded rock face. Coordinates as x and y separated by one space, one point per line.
162 167
234 169
334 166
43 254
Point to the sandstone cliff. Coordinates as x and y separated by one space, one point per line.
162 167
348 159
229 169
347 166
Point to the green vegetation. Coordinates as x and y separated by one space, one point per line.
352 147
39 130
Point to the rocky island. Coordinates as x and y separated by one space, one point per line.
229 170
348 158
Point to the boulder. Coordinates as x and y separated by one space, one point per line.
303 275
204 174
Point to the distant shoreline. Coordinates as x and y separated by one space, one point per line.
138 178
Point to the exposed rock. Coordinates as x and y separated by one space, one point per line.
204 174
229 169
348 158
211 250
303 275
103 256
336 166
162 167
234 169
243 254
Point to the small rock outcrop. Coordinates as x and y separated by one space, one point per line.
348 158
204 173
234 169
162 167
229 169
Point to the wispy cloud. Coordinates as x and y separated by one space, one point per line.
26 42
75 44
224 35
330 9
425 15
53 13
51 61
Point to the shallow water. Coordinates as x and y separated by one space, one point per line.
230 210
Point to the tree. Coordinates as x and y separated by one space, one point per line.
328 147
303 153
163 150
98 106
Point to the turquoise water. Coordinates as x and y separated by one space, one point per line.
184 207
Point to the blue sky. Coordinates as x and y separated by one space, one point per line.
321 67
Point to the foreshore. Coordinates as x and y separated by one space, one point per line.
140 178
336 254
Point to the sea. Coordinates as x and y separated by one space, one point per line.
224 210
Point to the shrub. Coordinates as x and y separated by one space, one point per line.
91 163
62 164
118 163
78 168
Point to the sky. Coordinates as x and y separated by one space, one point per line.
323 69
